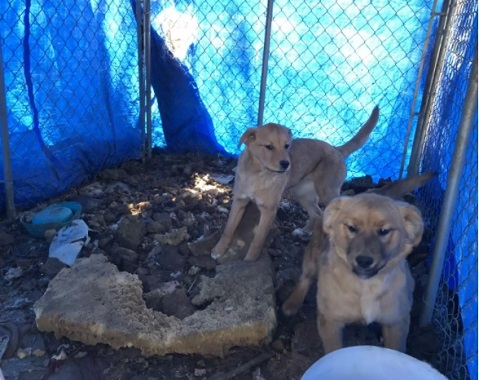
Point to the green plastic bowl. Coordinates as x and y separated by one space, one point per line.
52 217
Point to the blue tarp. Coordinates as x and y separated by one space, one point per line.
460 272
71 100
72 83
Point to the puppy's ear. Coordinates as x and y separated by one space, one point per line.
330 212
247 137
413 222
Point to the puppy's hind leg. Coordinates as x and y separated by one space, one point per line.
266 219
309 272
236 213
330 332
305 193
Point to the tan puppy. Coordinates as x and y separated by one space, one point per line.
359 256
272 163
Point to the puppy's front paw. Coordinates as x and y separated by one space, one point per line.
218 250
252 255
216 254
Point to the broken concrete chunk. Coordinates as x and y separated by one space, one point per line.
93 302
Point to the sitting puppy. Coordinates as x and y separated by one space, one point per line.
272 163
358 252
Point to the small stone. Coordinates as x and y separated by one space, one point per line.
113 174
89 204
131 232
49 235
171 260
105 242
153 299
204 245
278 345
6 239
155 227
13 273
177 304
125 259
193 271
22 354
38 353
200 372
174 237
164 220
204 262
80 354
51 267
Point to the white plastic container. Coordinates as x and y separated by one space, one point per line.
370 363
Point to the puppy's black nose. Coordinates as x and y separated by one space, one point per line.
364 261
284 164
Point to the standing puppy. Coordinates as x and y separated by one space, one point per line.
272 163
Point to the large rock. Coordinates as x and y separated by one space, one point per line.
93 302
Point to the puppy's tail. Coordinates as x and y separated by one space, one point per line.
400 188
362 136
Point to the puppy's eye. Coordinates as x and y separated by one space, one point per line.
384 231
352 228
269 147
286 146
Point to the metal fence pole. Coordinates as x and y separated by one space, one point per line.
147 52
141 73
7 164
413 113
264 69
435 68
455 173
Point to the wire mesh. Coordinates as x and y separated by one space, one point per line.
330 64
70 74
72 82
455 310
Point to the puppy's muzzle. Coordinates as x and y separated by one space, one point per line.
366 255
364 267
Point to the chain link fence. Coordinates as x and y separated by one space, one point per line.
453 303
330 63
71 78
71 75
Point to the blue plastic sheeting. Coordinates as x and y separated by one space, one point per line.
72 82
186 124
331 62
71 92
460 272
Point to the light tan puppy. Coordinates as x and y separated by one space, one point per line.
358 252
272 163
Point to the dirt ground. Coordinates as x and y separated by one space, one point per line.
170 192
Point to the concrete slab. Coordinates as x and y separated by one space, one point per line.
92 302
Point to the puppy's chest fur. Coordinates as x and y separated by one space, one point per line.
351 299
262 188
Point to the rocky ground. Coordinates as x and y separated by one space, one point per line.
143 217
